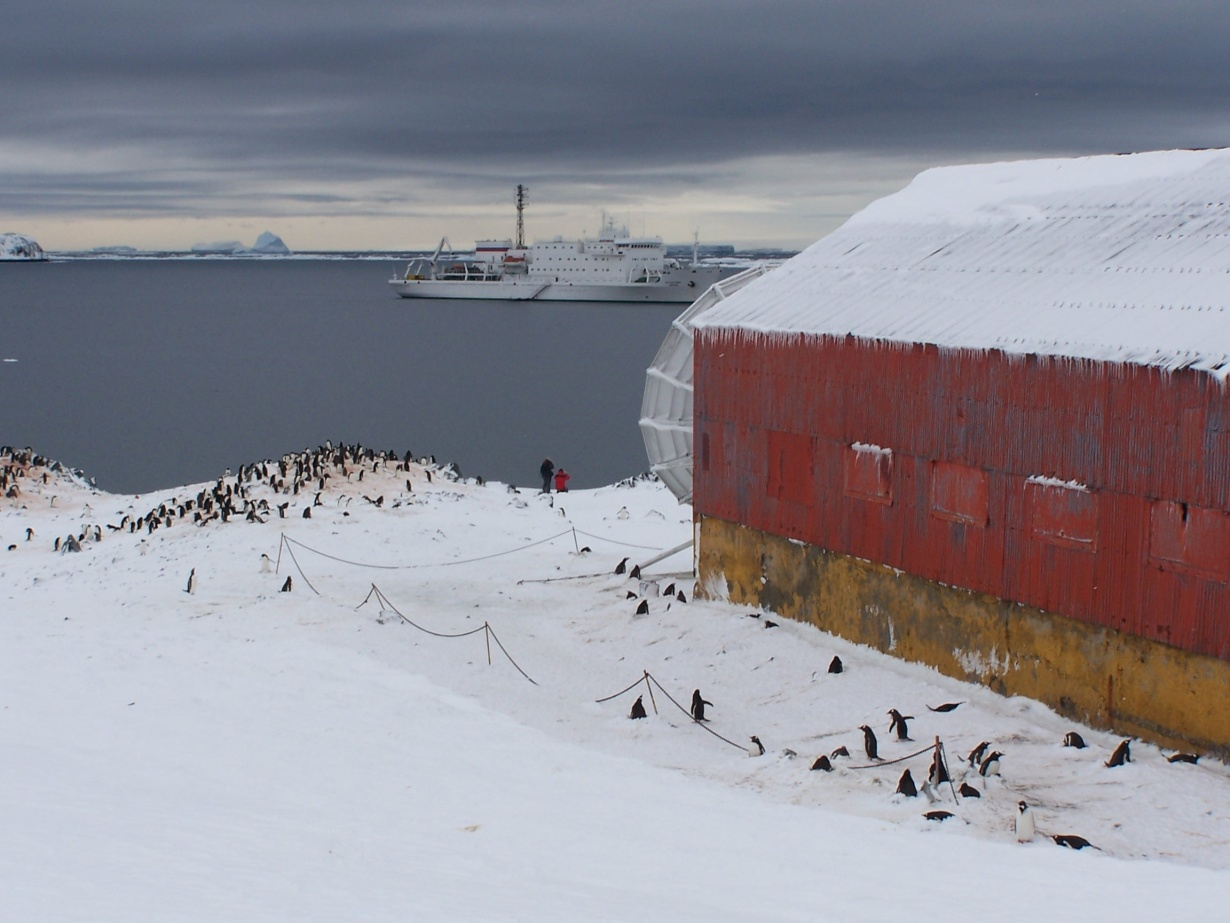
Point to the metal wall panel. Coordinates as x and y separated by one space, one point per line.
782 412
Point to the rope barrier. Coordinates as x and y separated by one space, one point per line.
386 603
291 552
612 541
649 679
900 759
486 557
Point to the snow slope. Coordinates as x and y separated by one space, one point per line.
241 753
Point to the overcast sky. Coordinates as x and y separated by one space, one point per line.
381 124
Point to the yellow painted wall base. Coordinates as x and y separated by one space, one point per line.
1094 675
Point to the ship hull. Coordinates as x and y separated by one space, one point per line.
688 285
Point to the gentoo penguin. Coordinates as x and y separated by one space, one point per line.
638 709
822 763
968 791
670 590
768 623
938 773
635 573
869 742
266 564
757 748
285 586
835 664
906 786
191 587
990 765
1183 758
1122 754
1024 823
899 724
975 755
947 706
1071 840
643 608
29 534
1073 739
938 815
630 595
679 597
698 706
307 512
840 751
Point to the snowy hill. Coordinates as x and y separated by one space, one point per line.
333 752
19 247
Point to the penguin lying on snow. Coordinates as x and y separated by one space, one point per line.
1072 841
968 791
822 763
1183 758
947 706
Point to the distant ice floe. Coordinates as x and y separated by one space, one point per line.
267 244
19 247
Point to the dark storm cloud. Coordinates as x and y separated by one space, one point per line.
311 91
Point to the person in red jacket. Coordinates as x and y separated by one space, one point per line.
562 478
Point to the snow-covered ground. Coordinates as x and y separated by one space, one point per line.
239 753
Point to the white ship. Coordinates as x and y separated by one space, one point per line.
614 267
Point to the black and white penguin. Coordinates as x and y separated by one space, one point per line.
307 513
643 608
769 623
630 595
698 706
869 742
1071 840
835 665
899 724
638 709
29 534
191 587
1122 754
635 573
938 773
266 564
670 590
990 765
975 755
840 751
940 816
286 586
1183 758
822 763
906 785
968 791
947 706
757 748
679 597
1073 739
1024 823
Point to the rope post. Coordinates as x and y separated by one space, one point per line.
575 543
281 542
487 634
649 686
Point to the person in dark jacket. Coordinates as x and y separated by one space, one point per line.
562 478
547 471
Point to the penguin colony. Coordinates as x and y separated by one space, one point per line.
983 762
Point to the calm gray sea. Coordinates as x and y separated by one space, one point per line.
150 374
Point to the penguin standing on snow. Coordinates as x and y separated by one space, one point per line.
990 765
899 724
906 786
191 587
757 748
638 709
1024 823
975 755
869 742
1073 739
698 706
1122 754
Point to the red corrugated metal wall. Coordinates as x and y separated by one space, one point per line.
1093 490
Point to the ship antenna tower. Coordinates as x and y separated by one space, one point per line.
521 191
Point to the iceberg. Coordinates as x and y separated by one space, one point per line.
19 247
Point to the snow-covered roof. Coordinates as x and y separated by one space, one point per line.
1121 258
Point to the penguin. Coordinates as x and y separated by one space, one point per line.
635 573
1071 840
822 763
670 590
1024 823
630 595
968 791
939 816
769 624
307 513
946 707
1073 739
757 748
938 773
975 755
643 608
1183 758
266 564
906 786
286 586
990 765
698 706
835 665
869 742
840 751
679 597
899 723
638 709
29 534
191 587
1122 754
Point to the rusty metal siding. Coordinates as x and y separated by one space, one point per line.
781 413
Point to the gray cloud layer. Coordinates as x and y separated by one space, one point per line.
217 99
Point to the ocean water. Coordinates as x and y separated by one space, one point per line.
149 374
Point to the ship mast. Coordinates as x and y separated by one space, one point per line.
521 191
